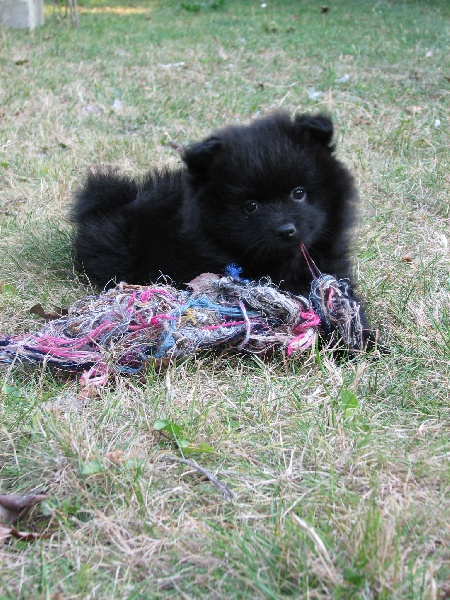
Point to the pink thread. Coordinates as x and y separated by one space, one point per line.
302 341
158 319
309 260
142 325
305 332
303 248
227 324
147 294
68 353
49 344
330 298
131 302
311 319
96 375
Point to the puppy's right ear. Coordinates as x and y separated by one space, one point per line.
318 127
199 156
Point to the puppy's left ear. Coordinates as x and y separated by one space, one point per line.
199 156
318 127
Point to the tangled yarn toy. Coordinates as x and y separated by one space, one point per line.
125 327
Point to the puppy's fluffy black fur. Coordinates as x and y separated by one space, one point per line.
248 194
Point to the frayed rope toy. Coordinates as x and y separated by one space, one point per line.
123 328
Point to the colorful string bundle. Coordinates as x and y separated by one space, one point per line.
123 328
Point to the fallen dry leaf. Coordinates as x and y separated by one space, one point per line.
51 315
25 536
202 282
14 506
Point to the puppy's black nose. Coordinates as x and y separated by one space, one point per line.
286 231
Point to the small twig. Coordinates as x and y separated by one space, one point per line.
227 493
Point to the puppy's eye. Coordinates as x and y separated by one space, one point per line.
298 193
251 206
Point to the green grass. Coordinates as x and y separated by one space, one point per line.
340 471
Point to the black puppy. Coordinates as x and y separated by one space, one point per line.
249 194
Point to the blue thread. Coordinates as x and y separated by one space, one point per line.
234 271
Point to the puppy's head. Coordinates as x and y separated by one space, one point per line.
261 190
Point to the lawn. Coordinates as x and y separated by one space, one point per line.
327 501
